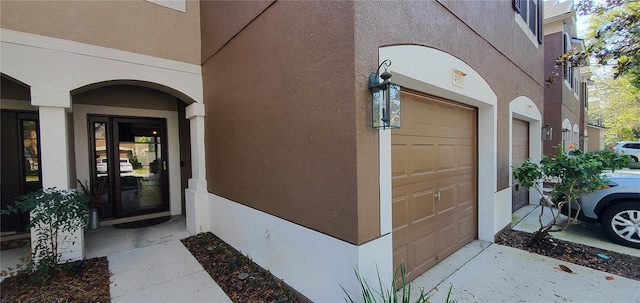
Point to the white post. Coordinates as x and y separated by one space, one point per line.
196 196
54 154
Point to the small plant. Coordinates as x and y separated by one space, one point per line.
570 174
383 294
94 193
53 212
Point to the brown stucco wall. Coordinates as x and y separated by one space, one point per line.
280 120
288 109
504 56
222 20
134 25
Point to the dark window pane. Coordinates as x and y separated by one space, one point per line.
532 16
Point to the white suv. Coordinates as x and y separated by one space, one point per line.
631 148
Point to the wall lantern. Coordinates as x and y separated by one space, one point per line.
547 132
385 99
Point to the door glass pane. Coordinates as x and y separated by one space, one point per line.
31 151
102 167
140 163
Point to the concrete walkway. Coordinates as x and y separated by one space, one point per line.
165 272
504 274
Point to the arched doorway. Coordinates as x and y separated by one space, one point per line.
135 141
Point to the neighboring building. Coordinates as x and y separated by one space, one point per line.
596 135
265 108
565 96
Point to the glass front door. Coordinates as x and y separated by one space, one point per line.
131 161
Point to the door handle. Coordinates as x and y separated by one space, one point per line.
437 195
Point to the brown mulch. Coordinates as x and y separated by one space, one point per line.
619 264
85 281
228 267
240 278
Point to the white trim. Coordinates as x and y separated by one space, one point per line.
524 109
43 61
81 139
313 263
178 5
429 70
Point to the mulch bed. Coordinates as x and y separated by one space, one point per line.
76 282
240 278
619 264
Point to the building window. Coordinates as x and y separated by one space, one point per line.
530 11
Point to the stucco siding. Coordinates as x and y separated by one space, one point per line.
136 26
280 117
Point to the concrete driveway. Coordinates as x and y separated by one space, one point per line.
486 272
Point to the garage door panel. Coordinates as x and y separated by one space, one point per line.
467 226
448 199
400 255
520 153
446 158
446 239
424 251
422 206
399 162
435 151
421 156
399 212
465 194
466 156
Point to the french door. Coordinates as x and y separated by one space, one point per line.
130 164
19 162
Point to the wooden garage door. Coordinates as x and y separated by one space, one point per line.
520 153
434 181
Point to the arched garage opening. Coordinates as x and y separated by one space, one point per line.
465 147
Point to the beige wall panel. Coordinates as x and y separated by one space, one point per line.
280 118
221 20
135 25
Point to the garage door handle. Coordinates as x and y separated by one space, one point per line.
437 196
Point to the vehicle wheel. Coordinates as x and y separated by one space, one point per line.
634 159
621 223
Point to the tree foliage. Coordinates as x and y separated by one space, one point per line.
569 175
613 36
617 104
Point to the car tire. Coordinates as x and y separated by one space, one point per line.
621 223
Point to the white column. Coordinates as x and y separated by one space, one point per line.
54 154
54 151
196 196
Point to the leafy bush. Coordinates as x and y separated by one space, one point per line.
53 212
570 174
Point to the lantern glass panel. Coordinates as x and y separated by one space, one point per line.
394 104
378 105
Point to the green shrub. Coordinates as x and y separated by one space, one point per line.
52 212
572 174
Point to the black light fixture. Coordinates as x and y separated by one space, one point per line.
385 99
547 132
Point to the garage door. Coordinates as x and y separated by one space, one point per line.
434 181
520 153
